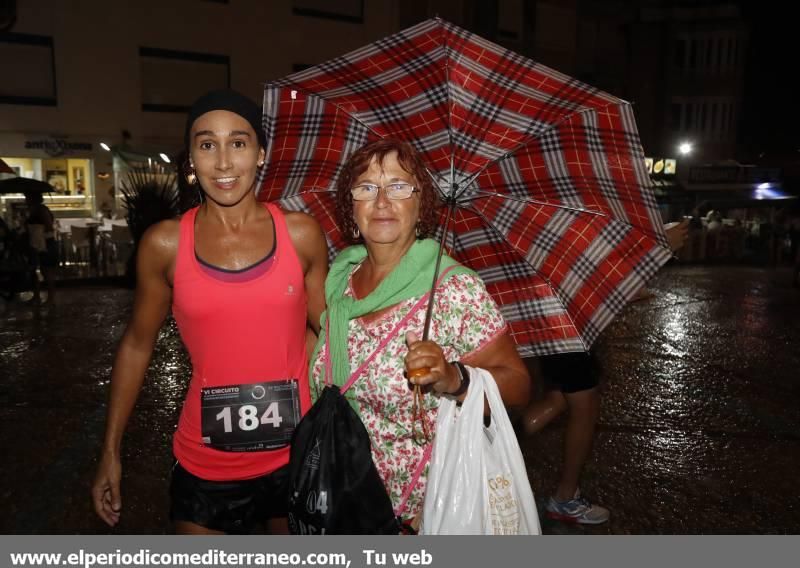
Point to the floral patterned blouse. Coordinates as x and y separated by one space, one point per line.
465 319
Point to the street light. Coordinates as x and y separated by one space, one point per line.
685 148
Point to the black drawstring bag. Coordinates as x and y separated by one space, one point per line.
335 487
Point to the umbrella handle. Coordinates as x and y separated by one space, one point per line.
420 372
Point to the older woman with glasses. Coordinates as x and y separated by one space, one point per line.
376 293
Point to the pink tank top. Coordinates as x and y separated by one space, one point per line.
237 334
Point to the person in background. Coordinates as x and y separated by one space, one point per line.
40 225
571 386
794 235
5 235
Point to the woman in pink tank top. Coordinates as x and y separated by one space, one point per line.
244 281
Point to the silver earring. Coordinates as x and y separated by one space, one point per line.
191 177
261 164
416 230
356 233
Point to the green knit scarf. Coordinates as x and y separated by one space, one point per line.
411 278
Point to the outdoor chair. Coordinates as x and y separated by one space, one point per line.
81 243
121 245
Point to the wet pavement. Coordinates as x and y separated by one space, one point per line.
699 430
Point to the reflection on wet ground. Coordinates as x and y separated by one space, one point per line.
699 432
700 423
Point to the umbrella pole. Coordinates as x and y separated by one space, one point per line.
424 435
451 206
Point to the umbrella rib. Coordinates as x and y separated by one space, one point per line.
549 283
534 136
548 204
448 112
480 194
330 102
435 175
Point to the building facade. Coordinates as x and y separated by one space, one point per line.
80 77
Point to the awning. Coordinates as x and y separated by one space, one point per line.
668 191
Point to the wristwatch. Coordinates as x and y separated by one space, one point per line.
463 386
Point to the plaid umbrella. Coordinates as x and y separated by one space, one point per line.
544 175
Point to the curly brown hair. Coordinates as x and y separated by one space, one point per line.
410 160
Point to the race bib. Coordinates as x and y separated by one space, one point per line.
252 417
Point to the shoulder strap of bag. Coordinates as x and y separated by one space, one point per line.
395 330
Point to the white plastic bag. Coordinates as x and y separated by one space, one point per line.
477 482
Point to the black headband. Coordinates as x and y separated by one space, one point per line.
230 100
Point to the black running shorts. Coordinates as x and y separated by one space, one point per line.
569 372
234 507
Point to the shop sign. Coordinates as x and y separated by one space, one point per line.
58 146
660 167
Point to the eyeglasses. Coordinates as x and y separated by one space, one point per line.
369 191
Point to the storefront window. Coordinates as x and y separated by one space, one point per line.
70 178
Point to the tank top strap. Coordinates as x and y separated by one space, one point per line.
281 230
186 238
285 252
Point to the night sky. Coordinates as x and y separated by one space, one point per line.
771 107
